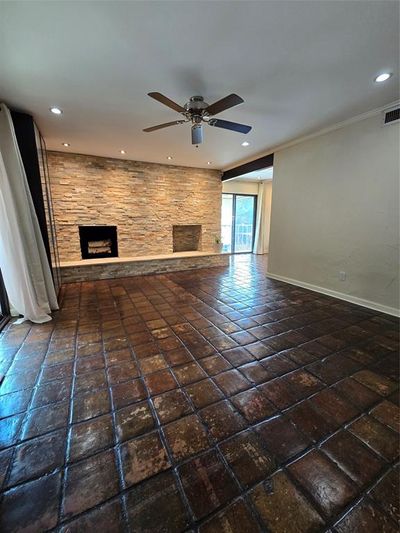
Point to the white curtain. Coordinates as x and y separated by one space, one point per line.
261 238
23 259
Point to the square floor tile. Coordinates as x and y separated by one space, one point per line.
122 372
283 508
89 483
32 506
334 407
133 420
215 364
179 356
387 493
156 504
89 437
186 437
279 393
378 437
388 414
37 457
127 393
51 392
367 517
207 484
108 516
238 356
90 404
303 383
160 382
378 383
253 405
204 393
236 517
143 457
171 405
326 484
232 382
255 373
282 438
222 420
353 457
189 373
310 422
9 428
152 364
90 381
248 457
360 396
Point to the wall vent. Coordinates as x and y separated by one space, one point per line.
391 116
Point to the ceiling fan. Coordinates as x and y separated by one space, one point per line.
198 111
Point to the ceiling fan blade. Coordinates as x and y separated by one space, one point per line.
227 125
165 125
225 103
166 101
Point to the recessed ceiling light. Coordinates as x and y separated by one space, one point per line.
245 143
209 162
169 157
383 77
56 110
66 144
122 152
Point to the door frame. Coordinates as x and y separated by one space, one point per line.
5 307
233 235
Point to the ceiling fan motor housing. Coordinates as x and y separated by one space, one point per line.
195 105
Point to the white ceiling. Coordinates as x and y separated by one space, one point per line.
265 174
300 66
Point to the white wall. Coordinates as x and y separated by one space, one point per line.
336 208
240 187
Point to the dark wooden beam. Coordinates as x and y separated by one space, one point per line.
258 164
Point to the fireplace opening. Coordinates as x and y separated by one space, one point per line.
186 238
98 241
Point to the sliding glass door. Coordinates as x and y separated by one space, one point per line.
238 222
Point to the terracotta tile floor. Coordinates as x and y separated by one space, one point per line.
214 400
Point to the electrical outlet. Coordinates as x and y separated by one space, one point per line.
342 276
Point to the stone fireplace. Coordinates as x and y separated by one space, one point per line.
186 238
98 241
142 200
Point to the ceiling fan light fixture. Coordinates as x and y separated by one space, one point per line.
66 144
197 134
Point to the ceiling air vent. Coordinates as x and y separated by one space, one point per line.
390 116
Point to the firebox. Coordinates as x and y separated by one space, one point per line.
186 237
98 241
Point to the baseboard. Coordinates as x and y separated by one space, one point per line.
339 295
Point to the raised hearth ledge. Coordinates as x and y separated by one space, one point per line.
120 267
